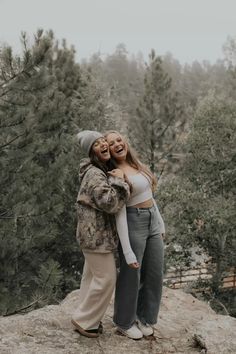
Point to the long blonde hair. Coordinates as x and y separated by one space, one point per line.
134 161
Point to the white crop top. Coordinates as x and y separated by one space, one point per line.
141 189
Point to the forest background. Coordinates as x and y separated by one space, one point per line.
181 119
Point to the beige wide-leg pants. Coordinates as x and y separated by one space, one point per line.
97 285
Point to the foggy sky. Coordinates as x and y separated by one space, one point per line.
189 29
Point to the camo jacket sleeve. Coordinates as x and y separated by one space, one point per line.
108 194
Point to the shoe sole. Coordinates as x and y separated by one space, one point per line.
149 335
83 332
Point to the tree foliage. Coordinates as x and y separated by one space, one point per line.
44 100
200 202
158 115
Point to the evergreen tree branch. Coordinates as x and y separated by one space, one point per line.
162 171
166 127
14 103
220 303
166 153
7 81
11 141
24 216
2 214
13 124
4 93
24 307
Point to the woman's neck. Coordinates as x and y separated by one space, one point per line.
122 163
126 167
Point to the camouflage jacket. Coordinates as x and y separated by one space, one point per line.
99 198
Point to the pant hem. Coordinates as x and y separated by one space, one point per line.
122 327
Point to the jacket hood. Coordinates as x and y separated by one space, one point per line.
84 166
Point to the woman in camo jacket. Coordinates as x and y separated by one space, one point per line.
99 198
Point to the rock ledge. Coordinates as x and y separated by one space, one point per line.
186 325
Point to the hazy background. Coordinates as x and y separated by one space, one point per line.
189 29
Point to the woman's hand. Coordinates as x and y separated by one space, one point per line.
117 172
163 236
134 265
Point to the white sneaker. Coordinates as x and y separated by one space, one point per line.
133 332
146 329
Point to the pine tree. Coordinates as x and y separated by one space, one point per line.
120 77
154 128
44 95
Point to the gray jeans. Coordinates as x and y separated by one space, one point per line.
138 291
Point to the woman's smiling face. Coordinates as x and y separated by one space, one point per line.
117 146
100 147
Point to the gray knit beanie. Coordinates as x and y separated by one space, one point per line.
87 138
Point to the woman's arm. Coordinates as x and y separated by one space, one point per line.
160 220
108 193
122 229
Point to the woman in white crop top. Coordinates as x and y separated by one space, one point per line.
138 291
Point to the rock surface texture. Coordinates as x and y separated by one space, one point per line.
186 325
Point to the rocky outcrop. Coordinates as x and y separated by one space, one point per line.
186 325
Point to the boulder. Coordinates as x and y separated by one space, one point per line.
185 325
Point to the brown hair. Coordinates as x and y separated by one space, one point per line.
96 162
133 160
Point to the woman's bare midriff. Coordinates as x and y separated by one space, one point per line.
147 204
